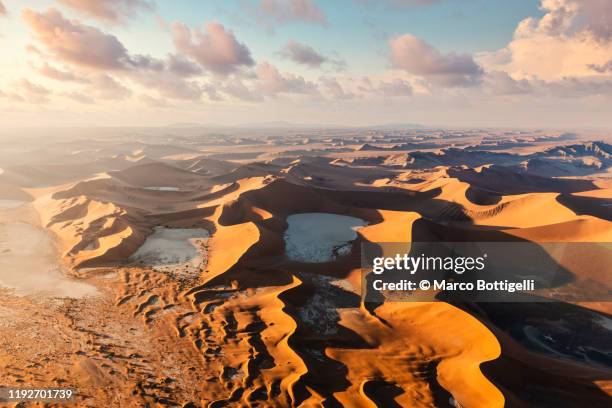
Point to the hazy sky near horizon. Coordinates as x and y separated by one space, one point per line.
350 62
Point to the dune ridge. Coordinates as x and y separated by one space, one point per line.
255 328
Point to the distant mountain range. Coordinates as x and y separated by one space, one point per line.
281 124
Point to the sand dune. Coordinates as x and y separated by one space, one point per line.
407 353
254 325
158 174
90 232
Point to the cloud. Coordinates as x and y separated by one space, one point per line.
272 81
237 89
303 54
572 39
109 10
152 101
57 74
306 55
598 17
214 48
72 42
500 83
77 43
285 11
145 62
108 88
332 87
84 45
568 17
169 85
572 88
181 66
602 68
79 97
415 56
395 87
30 92
2 9
32 49
212 93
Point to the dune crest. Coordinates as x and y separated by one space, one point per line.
251 324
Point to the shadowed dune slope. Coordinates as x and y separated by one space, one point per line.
254 327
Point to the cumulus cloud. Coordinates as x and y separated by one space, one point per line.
332 87
598 15
568 17
77 43
602 68
73 43
30 92
285 11
58 74
417 57
169 85
574 87
395 87
173 78
181 66
500 83
272 81
108 88
303 54
572 39
214 48
87 46
238 89
109 10
211 92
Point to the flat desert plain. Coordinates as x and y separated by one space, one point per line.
192 267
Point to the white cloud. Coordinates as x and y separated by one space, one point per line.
417 57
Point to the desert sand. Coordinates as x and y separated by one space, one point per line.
221 273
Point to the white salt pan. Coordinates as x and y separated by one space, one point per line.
172 249
11 203
29 264
320 237
163 188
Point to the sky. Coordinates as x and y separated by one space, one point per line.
476 63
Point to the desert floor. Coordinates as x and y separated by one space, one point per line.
188 267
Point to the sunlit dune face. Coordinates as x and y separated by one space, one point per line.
192 254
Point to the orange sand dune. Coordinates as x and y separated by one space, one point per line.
256 328
160 175
90 232
405 349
